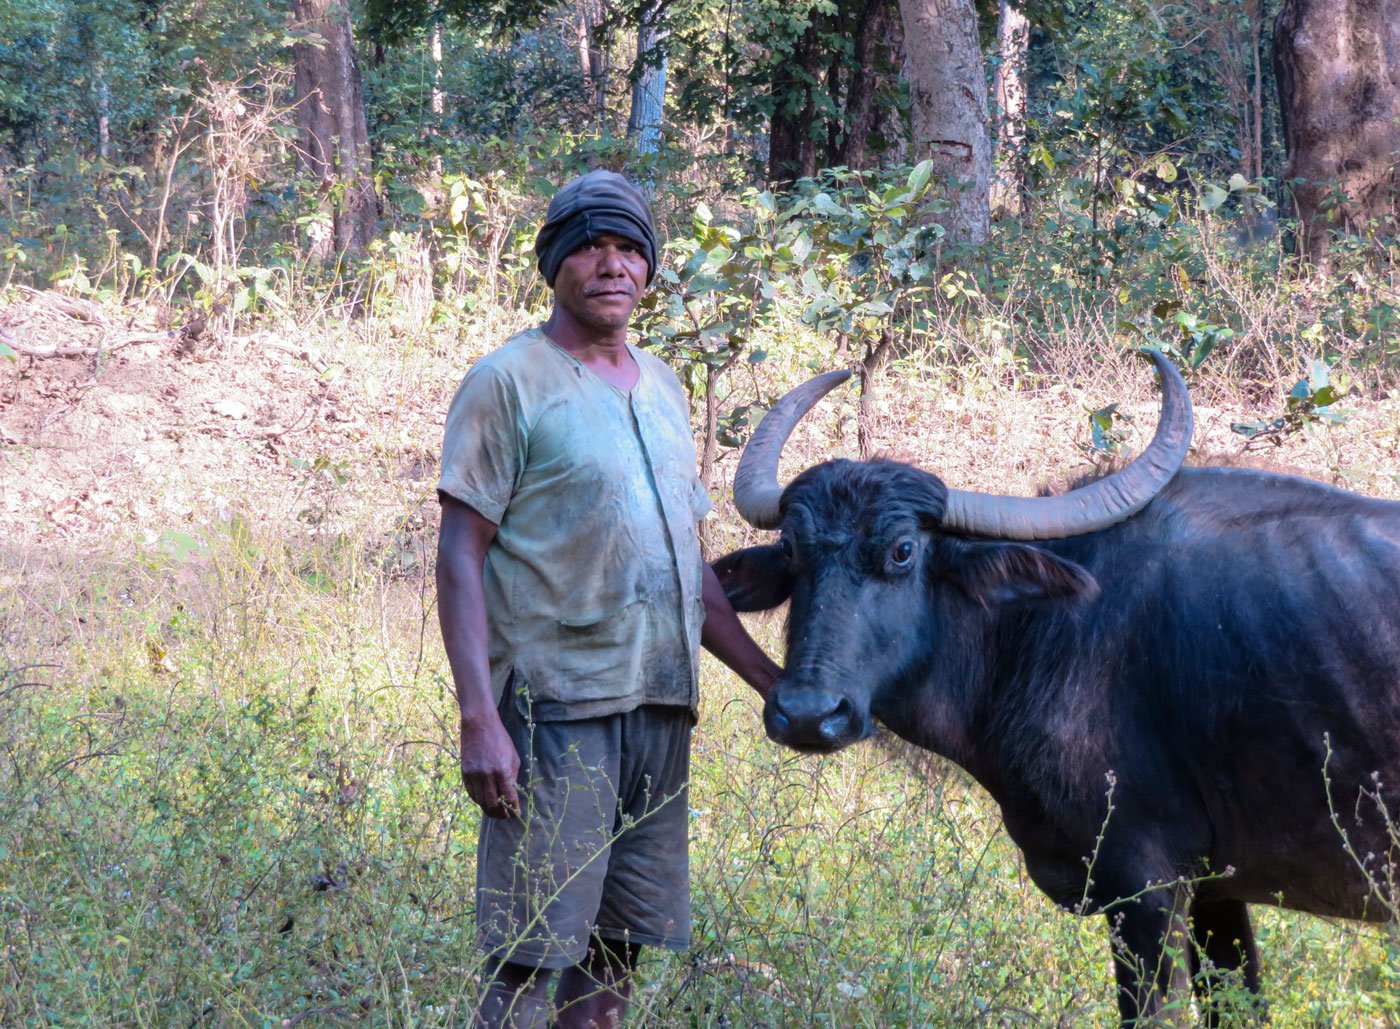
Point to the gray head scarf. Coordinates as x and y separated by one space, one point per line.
589 206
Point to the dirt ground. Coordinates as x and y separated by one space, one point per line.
139 434
138 438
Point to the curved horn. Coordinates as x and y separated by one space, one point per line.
1098 505
756 489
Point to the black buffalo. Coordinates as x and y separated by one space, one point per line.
1215 652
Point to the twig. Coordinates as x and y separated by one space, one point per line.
306 354
334 1009
278 431
58 350
83 310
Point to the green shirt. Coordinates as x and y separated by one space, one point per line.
593 582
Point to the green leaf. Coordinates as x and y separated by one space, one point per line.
8 352
1238 183
1212 198
758 356
801 249
920 176
1203 349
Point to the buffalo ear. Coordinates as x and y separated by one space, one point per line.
755 578
1004 573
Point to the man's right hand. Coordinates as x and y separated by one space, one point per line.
490 766
489 761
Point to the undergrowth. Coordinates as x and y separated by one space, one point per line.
228 795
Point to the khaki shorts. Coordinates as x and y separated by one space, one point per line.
603 846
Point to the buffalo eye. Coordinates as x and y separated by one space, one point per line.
902 553
786 545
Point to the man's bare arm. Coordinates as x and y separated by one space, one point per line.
724 636
489 761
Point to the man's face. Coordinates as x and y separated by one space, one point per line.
600 283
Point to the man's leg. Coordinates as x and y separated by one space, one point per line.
515 998
540 876
594 993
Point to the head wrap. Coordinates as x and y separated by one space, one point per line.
586 208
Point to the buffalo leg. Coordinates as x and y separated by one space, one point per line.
1151 958
1222 941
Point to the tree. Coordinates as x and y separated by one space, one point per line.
649 77
594 54
334 135
948 107
1338 66
1009 90
878 44
830 67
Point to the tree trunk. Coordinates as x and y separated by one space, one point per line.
877 33
877 351
1009 89
1338 68
649 80
1255 15
593 55
104 113
436 101
948 99
792 147
331 122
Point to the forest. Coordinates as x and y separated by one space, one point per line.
247 252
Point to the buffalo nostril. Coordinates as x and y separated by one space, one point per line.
837 725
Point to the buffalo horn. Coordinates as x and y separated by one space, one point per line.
1096 506
756 489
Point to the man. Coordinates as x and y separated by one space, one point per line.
573 600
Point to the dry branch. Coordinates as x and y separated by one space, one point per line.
83 310
60 350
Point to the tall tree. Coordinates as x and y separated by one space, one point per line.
594 53
828 71
1009 92
796 75
649 77
878 42
1338 67
948 107
334 135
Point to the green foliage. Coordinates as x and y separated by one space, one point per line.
710 294
1308 403
1106 439
863 247
66 63
232 797
1179 334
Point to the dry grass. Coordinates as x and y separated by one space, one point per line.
227 785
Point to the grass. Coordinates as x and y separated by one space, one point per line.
228 786
228 796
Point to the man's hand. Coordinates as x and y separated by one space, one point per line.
490 766
489 761
724 636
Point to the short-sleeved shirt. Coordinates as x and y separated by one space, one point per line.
593 581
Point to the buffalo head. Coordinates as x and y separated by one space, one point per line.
886 568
